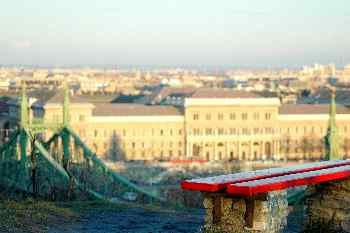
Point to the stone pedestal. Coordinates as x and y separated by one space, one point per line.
328 206
261 214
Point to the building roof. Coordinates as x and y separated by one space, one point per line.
323 96
127 98
311 109
225 94
110 109
58 98
162 93
179 95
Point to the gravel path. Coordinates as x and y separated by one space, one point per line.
135 220
138 220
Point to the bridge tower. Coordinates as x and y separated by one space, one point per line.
332 138
23 137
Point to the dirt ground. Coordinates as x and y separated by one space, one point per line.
134 220
139 220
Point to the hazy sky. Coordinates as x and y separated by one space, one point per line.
237 33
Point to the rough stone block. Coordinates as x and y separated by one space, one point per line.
270 214
329 204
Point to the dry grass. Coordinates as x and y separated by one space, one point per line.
36 216
31 216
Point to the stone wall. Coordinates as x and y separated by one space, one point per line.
328 206
225 214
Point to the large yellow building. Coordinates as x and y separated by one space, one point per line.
211 125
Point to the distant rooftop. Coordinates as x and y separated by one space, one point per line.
311 109
223 94
58 98
162 93
108 109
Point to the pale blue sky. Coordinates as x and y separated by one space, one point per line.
237 33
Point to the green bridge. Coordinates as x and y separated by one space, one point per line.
61 167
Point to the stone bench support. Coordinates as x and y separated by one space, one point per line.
328 206
261 214
256 201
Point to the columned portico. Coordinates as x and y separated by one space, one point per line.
248 150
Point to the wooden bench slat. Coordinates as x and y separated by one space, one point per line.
220 183
254 187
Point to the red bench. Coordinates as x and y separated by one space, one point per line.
263 181
248 185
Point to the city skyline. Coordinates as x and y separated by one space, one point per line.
179 33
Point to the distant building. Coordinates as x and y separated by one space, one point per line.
5 84
209 125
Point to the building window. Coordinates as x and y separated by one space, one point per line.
256 131
180 132
196 116
221 131
171 132
133 145
81 118
82 133
170 144
170 153
208 117
232 116
179 153
244 116
161 132
256 116
269 130
232 131
96 133
208 131
196 132
124 132
267 116
180 144
245 131
238 131
220 116
56 118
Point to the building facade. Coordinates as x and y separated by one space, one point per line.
211 125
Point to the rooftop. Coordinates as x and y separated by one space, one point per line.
110 109
225 94
311 109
